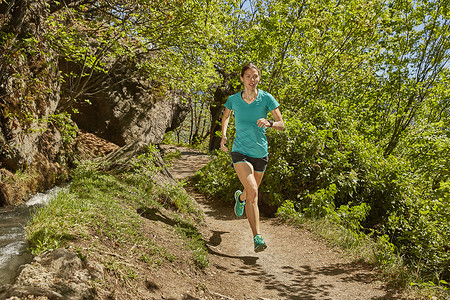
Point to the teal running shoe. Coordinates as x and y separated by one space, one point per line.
239 206
260 245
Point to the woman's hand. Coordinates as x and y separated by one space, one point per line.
263 123
222 144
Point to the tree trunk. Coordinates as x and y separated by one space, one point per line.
216 108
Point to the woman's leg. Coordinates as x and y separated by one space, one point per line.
250 180
258 178
252 209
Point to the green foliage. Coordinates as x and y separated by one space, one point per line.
330 165
420 231
427 148
335 168
66 127
351 217
217 178
165 43
146 165
288 213
170 138
321 202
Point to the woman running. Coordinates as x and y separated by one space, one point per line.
249 152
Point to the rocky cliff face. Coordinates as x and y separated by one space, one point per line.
37 136
29 85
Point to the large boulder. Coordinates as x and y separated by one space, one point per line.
132 109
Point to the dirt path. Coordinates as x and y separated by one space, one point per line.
295 265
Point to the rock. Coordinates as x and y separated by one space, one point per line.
133 110
29 83
57 274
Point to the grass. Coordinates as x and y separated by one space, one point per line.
104 211
92 205
194 242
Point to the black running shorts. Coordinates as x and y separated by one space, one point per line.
259 164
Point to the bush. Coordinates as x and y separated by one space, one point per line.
218 177
306 160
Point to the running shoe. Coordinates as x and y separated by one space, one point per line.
239 206
260 245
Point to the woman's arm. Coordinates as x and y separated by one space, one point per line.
279 123
225 120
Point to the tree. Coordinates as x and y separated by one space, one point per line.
416 51
166 41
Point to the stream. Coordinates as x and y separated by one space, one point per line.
13 243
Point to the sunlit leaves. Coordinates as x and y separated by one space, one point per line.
167 40
416 51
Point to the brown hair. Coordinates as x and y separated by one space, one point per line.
250 66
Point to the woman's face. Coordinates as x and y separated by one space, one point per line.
250 79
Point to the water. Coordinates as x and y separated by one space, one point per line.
13 243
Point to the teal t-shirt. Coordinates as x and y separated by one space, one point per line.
250 139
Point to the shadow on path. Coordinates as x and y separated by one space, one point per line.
215 241
247 260
155 215
303 283
216 209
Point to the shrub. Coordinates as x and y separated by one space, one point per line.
218 177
